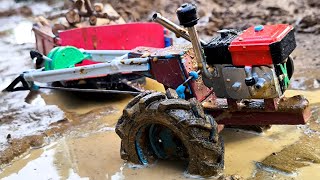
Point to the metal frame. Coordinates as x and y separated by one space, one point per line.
117 65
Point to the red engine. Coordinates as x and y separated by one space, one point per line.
263 45
259 45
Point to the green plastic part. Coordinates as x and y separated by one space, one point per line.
286 79
47 63
64 57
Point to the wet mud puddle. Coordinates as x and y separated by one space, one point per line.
91 149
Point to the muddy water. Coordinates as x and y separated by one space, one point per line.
243 149
309 172
91 150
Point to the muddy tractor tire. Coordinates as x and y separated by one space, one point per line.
154 126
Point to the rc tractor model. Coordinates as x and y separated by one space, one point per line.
237 78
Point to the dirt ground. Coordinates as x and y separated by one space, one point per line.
55 135
219 14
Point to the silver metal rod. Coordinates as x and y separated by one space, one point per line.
134 61
196 46
248 71
90 90
172 27
189 78
95 70
106 55
106 52
198 52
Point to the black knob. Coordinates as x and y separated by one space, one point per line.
250 81
38 56
187 15
35 54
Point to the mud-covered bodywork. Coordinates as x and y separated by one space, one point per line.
157 126
178 61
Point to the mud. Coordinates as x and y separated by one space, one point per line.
95 154
22 121
65 136
300 154
217 14
92 150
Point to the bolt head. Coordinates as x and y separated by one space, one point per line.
258 28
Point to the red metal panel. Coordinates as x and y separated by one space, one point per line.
115 37
252 47
261 118
293 110
168 72
165 66
199 90
172 73
44 41
86 62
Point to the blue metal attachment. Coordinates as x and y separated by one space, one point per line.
180 91
167 39
35 87
169 56
258 28
194 75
